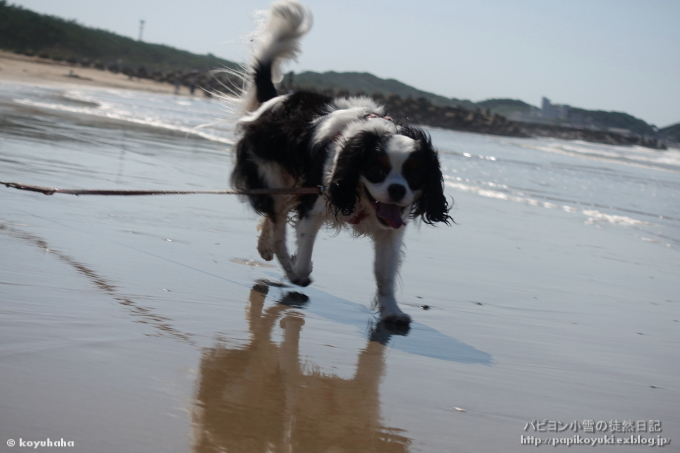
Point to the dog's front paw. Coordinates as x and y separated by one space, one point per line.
395 318
301 281
301 268
390 312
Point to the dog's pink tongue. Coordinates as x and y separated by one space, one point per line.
390 213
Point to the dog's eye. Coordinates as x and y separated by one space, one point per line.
375 172
412 173
415 179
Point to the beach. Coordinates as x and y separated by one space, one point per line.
151 323
43 71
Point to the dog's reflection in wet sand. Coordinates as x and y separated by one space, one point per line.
261 398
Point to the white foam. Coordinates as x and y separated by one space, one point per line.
490 193
627 155
107 110
599 217
594 217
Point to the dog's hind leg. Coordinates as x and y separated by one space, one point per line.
264 242
278 241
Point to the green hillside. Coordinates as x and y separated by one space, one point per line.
505 107
30 33
671 132
620 120
597 118
369 84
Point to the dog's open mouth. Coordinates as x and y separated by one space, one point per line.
388 213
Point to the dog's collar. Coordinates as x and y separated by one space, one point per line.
370 116
358 217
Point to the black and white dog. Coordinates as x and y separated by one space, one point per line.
377 173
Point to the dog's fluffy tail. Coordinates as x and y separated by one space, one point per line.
276 41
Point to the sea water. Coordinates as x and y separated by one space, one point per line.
628 186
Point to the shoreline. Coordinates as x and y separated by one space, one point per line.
40 71
22 69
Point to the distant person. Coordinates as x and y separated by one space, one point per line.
178 82
192 82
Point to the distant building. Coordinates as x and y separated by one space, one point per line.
551 111
552 114
546 107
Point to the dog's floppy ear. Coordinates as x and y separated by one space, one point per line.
432 205
343 190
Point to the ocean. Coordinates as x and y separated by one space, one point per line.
632 186
555 295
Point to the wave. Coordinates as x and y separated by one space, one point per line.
150 110
593 216
627 155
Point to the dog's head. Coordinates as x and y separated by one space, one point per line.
393 168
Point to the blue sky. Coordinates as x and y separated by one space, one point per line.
597 54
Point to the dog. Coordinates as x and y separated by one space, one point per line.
377 173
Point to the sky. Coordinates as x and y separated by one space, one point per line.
614 55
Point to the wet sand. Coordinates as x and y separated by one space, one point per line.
150 324
34 70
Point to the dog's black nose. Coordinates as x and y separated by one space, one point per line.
396 191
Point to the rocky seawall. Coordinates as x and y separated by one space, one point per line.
421 111
482 121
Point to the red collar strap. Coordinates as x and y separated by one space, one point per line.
370 116
356 219
373 115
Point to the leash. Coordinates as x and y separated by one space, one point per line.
318 190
